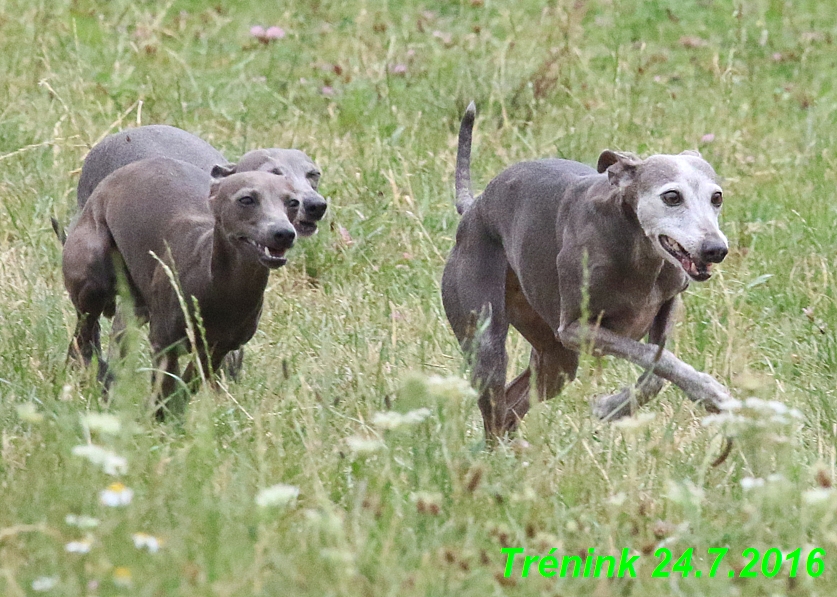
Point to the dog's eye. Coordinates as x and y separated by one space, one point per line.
717 198
246 200
672 198
278 172
293 203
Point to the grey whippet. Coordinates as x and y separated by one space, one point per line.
158 140
220 236
573 257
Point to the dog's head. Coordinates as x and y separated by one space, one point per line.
303 174
255 211
677 200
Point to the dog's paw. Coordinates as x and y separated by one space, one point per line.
613 407
711 392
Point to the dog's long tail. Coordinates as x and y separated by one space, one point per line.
464 196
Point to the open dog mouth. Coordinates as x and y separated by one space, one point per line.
695 268
305 227
269 257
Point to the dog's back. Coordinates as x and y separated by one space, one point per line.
133 145
156 204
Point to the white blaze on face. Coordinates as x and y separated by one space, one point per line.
689 223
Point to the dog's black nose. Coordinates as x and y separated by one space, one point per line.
315 207
284 237
713 251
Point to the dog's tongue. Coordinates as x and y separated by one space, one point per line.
698 270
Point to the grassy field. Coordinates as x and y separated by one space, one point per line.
353 326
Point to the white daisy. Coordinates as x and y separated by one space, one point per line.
149 542
111 463
277 495
44 583
116 494
82 546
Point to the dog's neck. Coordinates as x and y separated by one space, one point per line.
643 255
237 279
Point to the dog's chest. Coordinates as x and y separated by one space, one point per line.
228 329
629 307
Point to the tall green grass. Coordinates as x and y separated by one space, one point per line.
353 325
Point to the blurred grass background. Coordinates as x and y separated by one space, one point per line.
374 91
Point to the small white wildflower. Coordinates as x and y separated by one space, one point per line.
362 445
122 576
102 422
81 521
685 493
116 494
817 495
748 483
327 521
772 407
277 495
82 546
730 404
731 423
617 499
111 463
29 412
776 477
387 420
572 525
150 542
757 404
635 423
796 414
393 420
44 583
722 418
449 387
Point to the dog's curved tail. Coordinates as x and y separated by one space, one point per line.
464 196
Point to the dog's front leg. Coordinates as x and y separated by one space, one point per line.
628 399
698 386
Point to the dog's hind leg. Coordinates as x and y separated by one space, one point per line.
551 368
91 282
550 363
624 402
473 293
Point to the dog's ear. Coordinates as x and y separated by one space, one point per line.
620 167
218 173
692 152
222 171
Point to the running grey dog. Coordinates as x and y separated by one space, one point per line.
574 257
159 140
220 237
